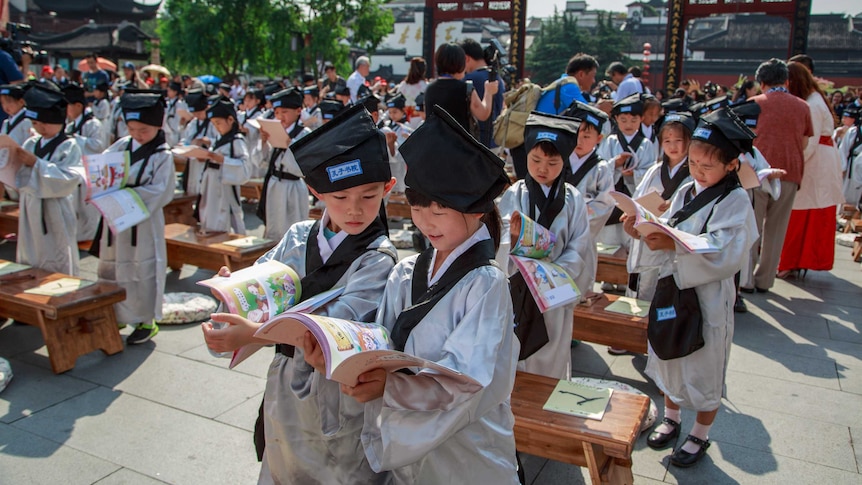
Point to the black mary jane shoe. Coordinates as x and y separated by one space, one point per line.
684 459
657 440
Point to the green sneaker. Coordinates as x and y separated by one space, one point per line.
142 334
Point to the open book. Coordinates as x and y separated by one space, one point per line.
259 292
750 179
647 223
106 176
9 166
277 135
576 399
549 284
349 348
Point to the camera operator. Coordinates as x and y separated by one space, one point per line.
478 71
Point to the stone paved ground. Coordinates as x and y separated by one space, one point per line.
167 411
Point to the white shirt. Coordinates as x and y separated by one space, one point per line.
480 235
353 83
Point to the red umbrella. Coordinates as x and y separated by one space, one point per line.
101 61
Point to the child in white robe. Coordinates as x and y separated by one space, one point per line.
17 126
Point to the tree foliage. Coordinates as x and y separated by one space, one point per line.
270 37
560 38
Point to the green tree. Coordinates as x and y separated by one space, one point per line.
609 43
558 40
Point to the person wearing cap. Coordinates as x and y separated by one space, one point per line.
665 177
82 123
587 171
44 181
716 209
342 93
17 126
311 115
544 197
130 75
284 200
226 168
173 122
450 305
136 258
631 154
199 132
311 431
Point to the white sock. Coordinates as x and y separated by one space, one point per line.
669 413
699 430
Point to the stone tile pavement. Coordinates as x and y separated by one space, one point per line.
169 412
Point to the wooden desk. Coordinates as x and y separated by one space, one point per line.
9 220
180 164
398 207
604 447
594 324
181 210
612 268
186 246
73 324
252 190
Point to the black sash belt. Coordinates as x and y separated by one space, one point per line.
281 175
285 350
213 165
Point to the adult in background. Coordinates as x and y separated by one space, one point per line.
810 240
478 72
357 79
746 91
414 83
130 74
783 129
95 74
451 93
330 79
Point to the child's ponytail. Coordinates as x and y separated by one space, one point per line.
492 220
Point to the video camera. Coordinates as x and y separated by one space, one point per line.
17 44
496 59
710 89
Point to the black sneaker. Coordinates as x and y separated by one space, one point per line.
739 306
142 334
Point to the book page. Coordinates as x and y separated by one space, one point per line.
391 361
549 284
277 136
253 123
747 176
247 242
182 150
106 172
59 287
7 267
122 209
651 201
9 166
646 223
259 292
534 241
576 399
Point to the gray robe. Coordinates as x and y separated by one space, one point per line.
90 139
311 428
575 252
140 269
46 225
195 166
172 127
286 200
595 188
430 429
20 133
219 206
696 381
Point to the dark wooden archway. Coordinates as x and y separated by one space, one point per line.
797 12
512 11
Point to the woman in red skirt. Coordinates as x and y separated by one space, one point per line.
810 240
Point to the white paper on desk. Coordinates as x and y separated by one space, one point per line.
651 201
277 136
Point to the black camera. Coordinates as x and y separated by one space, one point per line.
17 44
496 59
711 89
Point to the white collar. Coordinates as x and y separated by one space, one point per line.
545 189
17 115
480 235
646 130
631 137
328 246
576 161
698 188
673 170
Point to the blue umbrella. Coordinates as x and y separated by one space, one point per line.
209 79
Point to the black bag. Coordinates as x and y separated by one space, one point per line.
675 323
529 322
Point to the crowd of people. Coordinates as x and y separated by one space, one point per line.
353 141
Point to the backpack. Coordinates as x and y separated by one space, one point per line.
509 126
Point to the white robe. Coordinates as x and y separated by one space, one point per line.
90 138
312 117
851 166
311 428
220 208
20 133
575 252
430 429
647 263
92 141
397 165
195 166
595 187
286 200
45 191
118 124
696 381
140 269
821 185
173 128
255 145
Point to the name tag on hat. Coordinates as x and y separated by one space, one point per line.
701 132
545 135
133 115
4 91
276 104
31 114
625 109
344 170
592 119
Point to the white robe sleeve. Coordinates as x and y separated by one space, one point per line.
51 179
91 138
236 170
158 192
576 257
600 206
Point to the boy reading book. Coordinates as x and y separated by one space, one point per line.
451 305
199 132
136 258
311 431
544 196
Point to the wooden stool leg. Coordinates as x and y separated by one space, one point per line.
71 337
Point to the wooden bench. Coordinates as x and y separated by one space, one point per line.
398 206
857 249
612 269
188 246
252 190
72 324
180 164
604 447
181 210
594 324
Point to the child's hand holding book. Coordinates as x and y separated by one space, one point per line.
235 332
370 386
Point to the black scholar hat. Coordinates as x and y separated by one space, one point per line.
74 93
723 129
397 101
196 100
145 105
852 112
683 118
45 103
221 109
560 131
450 167
289 98
420 102
311 90
586 114
341 89
330 108
344 153
748 112
371 103
674 105
632 105
13 90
